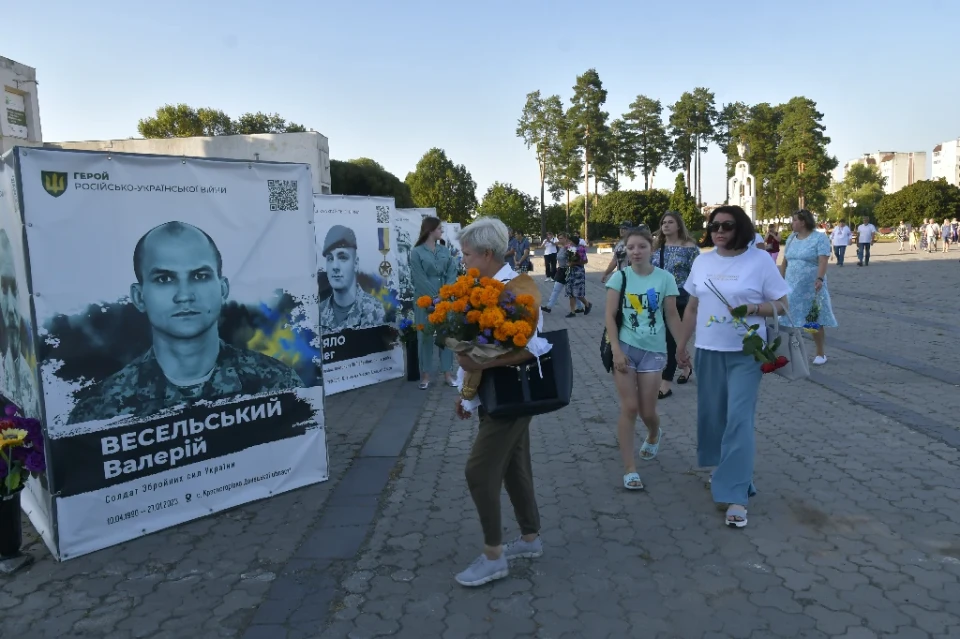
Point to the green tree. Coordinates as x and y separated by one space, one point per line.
645 121
566 173
251 123
439 183
803 163
587 121
633 207
557 218
704 129
864 184
685 204
183 121
921 200
761 134
683 122
364 176
512 206
859 175
541 127
731 121
620 156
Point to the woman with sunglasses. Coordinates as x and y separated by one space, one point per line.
732 275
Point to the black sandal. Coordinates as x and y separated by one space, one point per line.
662 395
683 379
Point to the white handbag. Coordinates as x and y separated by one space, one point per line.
791 346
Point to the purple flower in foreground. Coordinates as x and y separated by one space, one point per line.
482 340
11 410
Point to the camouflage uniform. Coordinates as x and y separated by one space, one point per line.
365 312
140 388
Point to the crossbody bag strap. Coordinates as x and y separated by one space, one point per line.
623 293
663 247
776 314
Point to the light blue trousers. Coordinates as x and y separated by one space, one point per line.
726 408
425 348
555 293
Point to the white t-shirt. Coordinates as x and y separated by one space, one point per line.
841 236
757 241
549 247
583 242
865 233
933 230
748 278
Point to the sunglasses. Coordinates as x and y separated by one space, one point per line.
726 225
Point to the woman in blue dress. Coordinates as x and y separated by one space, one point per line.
431 266
804 267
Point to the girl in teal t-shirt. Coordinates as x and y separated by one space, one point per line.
640 352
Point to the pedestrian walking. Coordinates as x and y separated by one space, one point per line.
501 451
729 378
644 300
550 256
560 276
804 267
577 278
866 236
902 234
772 242
674 252
619 259
840 238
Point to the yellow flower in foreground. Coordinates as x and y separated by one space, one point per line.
12 437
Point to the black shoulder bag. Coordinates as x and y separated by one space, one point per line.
532 388
606 349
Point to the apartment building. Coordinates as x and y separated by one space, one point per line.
946 162
19 107
899 168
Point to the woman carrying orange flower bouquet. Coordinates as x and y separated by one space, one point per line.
492 321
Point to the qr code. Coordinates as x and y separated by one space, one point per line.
383 215
283 195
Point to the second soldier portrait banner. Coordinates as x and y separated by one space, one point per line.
359 286
179 339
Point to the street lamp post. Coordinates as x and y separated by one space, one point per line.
850 207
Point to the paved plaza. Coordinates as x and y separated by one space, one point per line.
855 531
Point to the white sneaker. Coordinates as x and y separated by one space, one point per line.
819 360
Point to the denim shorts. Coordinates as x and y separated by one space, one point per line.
642 361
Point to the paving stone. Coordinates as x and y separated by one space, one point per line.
853 533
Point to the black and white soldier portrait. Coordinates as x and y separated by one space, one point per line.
348 305
180 287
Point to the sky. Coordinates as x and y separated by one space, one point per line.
390 80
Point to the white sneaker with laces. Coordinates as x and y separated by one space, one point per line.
819 360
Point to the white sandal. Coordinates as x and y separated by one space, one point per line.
736 516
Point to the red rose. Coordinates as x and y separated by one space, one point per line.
782 361
768 367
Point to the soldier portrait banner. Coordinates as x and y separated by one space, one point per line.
358 281
178 336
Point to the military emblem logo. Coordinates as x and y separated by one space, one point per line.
54 182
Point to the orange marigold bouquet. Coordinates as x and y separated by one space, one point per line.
483 318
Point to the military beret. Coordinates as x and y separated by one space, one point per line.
339 237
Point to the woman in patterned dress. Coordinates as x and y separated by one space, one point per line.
577 278
804 267
674 252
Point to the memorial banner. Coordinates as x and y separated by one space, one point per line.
406 228
19 380
359 290
179 349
